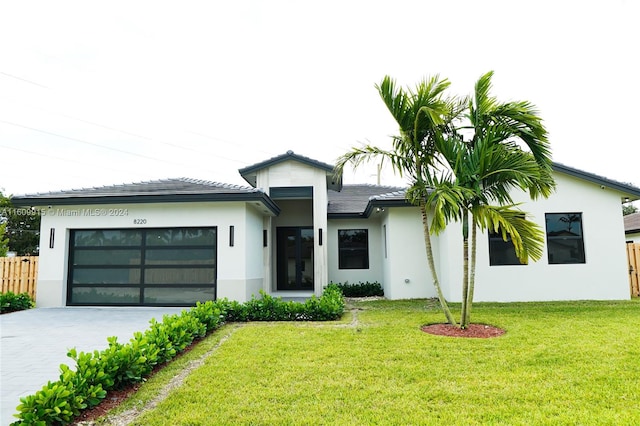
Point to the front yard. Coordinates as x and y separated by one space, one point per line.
558 363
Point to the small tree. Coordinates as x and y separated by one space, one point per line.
4 241
22 228
422 113
629 209
481 171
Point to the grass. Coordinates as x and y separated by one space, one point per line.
559 363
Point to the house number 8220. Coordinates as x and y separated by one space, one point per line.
139 221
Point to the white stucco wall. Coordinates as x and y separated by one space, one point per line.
635 238
294 173
236 265
407 274
602 277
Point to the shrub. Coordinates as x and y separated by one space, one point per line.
97 372
361 289
11 302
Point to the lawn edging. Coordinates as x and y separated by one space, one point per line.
97 372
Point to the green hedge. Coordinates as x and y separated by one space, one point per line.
97 372
361 289
11 302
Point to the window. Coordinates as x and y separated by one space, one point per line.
353 249
565 242
502 252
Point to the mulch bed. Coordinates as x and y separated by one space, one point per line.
116 397
481 331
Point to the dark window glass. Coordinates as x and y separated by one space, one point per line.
104 237
180 296
106 276
179 276
502 252
107 257
565 242
181 237
106 295
353 249
118 266
183 256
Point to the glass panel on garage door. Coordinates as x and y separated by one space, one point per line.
154 267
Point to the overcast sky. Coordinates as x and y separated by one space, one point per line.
98 93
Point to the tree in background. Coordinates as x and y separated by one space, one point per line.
4 241
629 209
22 228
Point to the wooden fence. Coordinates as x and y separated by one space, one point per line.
633 253
19 274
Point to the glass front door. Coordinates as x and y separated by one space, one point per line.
295 258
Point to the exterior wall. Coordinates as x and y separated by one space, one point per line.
294 173
407 274
235 265
354 276
602 277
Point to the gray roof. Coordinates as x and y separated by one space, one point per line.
157 191
632 223
359 200
348 201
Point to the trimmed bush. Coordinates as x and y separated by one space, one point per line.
97 372
11 302
361 289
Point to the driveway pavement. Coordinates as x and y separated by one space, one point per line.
34 343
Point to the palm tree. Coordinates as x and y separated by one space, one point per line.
422 114
484 169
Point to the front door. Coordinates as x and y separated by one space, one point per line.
294 258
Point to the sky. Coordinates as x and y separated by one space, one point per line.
100 93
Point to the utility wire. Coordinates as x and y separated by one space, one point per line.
24 79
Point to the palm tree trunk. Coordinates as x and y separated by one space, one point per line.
432 266
465 270
472 272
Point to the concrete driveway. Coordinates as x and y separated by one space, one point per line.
35 342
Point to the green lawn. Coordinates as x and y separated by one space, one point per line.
559 363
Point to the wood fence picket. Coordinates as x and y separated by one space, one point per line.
19 274
633 254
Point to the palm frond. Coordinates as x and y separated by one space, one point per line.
527 236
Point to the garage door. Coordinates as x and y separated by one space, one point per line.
151 267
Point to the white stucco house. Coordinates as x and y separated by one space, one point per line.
296 228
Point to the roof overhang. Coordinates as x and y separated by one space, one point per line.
627 191
257 196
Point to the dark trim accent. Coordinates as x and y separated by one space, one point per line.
231 235
52 236
279 192
71 200
264 238
319 236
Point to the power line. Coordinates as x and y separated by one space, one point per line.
71 160
24 79
146 138
92 143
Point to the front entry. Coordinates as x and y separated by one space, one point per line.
294 258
